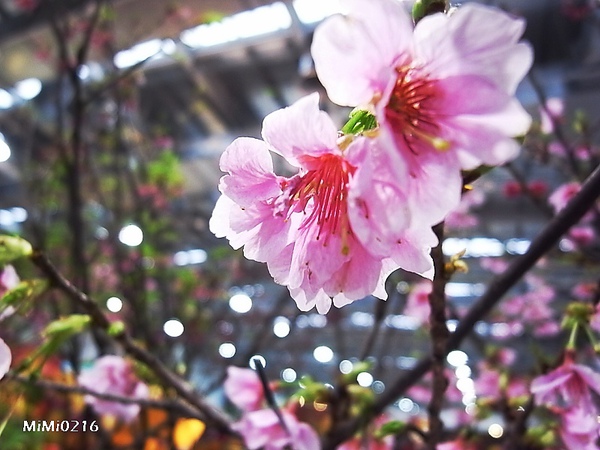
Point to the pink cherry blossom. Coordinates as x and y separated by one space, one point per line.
442 91
113 375
417 302
461 217
552 113
579 430
262 429
8 280
458 444
563 194
334 230
243 388
5 358
368 442
568 384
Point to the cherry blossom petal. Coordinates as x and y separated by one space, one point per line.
356 57
300 130
250 168
5 358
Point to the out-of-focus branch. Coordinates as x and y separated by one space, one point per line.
439 337
579 205
183 389
173 405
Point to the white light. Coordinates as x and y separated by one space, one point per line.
457 358
240 303
173 328
6 99
101 233
317 320
312 11
6 218
260 358
181 258
466 385
4 151
168 46
346 366
83 72
362 319
323 354
495 430
469 398
365 379
255 22
517 246
29 88
197 256
227 350
114 304
464 289
138 53
406 405
378 386
19 214
288 375
476 247
281 327
463 372
131 235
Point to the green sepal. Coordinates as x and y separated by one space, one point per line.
360 121
13 247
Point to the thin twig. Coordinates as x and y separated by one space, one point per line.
544 242
185 391
165 404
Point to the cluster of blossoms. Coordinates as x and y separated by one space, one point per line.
568 391
260 426
113 375
440 95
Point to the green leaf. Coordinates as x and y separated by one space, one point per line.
21 296
391 428
67 326
13 247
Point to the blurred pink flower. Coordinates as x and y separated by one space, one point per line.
8 280
494 265
579 430
552 113
461 216
417 302
567 386
563 194
262 429
369 442
332 231
113 375
243 388
5 358
442 91
582 235
458 444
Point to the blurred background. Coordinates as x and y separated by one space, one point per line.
110 141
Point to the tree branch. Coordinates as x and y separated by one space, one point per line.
185 391
544 242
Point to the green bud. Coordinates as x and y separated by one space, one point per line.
13 247
22 295
422 8
391 428
67 326
116 329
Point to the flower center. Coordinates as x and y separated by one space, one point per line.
410 111
325 190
